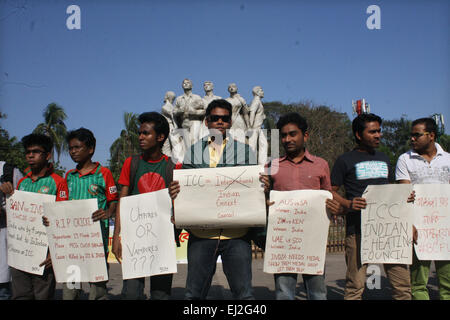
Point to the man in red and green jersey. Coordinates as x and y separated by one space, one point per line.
40 179
151 174
89 180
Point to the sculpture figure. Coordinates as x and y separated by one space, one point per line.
257 140
167 109
173 146
257 115
189 111
208 86
240 108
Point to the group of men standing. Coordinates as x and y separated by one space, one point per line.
297 170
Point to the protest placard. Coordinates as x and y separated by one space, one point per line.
297 232
225 197
148 239
27 237
432 221
75 241
386 224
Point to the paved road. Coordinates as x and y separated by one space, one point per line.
263 283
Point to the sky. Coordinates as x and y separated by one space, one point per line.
128 54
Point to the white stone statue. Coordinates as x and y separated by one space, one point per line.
173 146
167 109
257 139
189 111
208 86
257 115
240 108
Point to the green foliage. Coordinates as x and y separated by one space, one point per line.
395 139
444 141
330 131
11 150
54 127
126 145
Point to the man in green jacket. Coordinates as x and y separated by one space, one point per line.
218 149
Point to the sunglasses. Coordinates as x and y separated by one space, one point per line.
215 118
417 135
34 151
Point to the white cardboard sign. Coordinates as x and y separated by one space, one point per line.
27 236
432 221
386 224
226 197
75 241
148 240
297 232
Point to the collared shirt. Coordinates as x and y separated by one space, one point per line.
98 183
311 173
215 152
50 183
415 168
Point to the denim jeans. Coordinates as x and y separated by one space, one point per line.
236 255
160 288
5 291
285 284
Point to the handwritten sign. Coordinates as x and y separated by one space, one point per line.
297 232
27 237
386 225
148 239
75 241
220 198
432 221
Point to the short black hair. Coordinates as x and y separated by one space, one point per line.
359 123
37 139
219 103
84 135
160 124
430 124
295 118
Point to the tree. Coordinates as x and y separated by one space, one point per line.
11 150
395 138
444 141
330 131
54 127
126 145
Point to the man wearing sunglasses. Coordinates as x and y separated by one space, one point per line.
205 245
425 163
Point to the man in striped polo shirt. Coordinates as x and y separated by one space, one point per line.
87 181
40 179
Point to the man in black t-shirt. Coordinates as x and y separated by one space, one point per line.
355 170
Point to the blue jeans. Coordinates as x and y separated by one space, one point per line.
236 255
160 288
5 291
285 284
